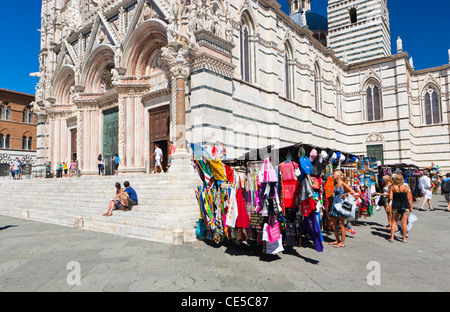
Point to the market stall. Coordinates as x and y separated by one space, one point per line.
274 196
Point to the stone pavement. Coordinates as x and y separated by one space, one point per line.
43 257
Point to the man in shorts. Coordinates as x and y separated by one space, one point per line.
129 196
158 158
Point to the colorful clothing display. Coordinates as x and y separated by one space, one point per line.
276 205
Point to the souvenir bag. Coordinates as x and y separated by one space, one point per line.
348 207
305 165
273 231
308 206
329 187
292 238
201 231
270 174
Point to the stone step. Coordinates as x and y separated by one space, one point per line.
167 209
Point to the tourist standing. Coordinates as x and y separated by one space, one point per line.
341 191
65 169
445 188
16 166
402 205
100 165
384 199
73 166
117 162
425 187
172 150
158 158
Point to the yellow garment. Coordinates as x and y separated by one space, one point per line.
217 170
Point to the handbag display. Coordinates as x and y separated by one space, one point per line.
273 232
270 175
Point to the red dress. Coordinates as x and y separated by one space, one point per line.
243 221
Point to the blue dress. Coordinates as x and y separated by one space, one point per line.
338 192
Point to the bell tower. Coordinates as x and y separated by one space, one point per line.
359 30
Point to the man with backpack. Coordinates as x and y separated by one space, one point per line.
445 187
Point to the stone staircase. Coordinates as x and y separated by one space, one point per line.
167 210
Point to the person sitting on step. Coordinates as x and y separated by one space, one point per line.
129 196
115 202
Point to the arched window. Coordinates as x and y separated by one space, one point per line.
25 115
30 143
432 109
317 88
24 143
289 72
246 47
2 112
2 141
373 101
245 54
353 15
8 113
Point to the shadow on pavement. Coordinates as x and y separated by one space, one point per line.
7 227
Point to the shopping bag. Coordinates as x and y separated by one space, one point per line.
201 231
273 232
348 207
270 174
275 247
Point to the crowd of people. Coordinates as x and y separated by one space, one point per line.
397 200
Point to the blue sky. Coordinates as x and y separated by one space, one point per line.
422 25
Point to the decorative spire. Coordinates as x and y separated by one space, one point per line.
296 6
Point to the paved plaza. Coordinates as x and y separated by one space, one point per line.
43 257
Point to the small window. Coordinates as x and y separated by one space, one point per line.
24 143
353 16
2 141
8 113
7 139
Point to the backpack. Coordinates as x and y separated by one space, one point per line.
445 186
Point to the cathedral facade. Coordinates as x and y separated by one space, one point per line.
120 76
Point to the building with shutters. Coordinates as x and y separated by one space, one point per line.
17 130
119 76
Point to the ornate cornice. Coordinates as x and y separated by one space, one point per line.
214 64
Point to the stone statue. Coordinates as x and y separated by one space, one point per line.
399 45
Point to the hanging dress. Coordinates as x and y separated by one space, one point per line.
243 221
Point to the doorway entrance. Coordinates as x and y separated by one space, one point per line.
73 144
159 124
110 138
376 151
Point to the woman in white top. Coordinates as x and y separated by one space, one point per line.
425 187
